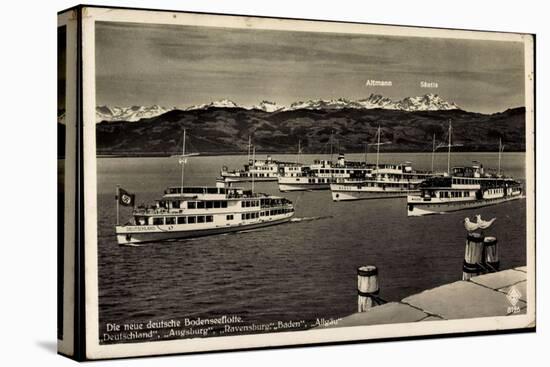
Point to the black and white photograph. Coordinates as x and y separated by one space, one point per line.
255 182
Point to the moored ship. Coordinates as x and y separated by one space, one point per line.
195 211
382 181
254 170
465 188
385 181
320 174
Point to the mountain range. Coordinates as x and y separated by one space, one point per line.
225 130
428 102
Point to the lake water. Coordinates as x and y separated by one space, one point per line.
297 271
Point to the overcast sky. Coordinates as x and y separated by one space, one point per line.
140 64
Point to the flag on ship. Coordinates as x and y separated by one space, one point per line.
125 198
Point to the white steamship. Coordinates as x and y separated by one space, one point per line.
194 211
463 188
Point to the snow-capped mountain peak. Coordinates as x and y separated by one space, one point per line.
268 106
427 102
128 113
221 103
318 104
377 101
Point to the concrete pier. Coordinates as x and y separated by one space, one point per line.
495 294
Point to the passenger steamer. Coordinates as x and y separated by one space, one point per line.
466 188
386 181
194 211
463 188
320 174
382 181
255 169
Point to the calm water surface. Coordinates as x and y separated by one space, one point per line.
297 271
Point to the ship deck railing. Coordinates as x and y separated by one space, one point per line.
377 179
145 211
230 193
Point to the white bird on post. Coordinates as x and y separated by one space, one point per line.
470 226
484 224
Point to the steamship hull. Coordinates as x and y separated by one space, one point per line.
418 209
347 193
247 179
133 235
303 186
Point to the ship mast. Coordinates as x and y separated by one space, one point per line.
331 133
117 204
366 147
500 149
182 161
248 157
378 149
299 152
449 151
433 153
253 159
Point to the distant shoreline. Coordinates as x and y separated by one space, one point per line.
274 154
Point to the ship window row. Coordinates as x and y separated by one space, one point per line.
338 171
268 213
250 203
464 181
250 216
159 221
387 184
319 180
212 204
264 168
274 202
454 194
394 176
255 174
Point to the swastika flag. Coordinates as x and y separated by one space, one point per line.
125 198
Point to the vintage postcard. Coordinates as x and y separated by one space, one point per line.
253 182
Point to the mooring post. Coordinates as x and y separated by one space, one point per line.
490 250
367 287
473 256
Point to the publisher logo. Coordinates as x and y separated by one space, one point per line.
513 296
